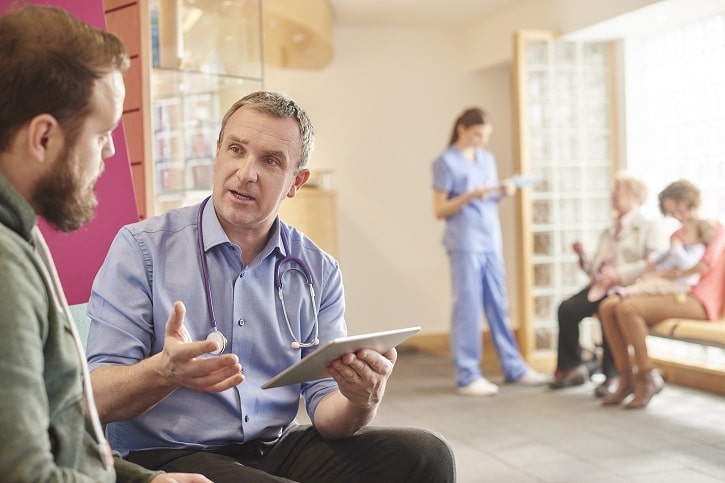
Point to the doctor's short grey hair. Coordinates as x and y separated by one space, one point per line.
281 106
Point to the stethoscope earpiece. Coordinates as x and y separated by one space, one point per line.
297 344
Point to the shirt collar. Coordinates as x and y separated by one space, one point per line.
626 219
215 235
211 228
274 246
275 241
15 212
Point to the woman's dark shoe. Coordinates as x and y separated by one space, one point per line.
625 387
570 377
646 385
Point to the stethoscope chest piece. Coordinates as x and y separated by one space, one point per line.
219 338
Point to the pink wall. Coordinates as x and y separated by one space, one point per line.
79 255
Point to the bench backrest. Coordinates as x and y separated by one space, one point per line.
722 310
83 322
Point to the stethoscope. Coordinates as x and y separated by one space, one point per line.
300 267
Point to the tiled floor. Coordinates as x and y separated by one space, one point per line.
527 434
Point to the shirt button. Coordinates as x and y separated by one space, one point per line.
240 322
246 418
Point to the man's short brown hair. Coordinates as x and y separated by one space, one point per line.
49 64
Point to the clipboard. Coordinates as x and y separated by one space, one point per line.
314 366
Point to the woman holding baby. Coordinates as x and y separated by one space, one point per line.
625 320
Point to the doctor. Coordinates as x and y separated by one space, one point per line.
188 324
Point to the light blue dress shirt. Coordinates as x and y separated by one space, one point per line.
476 228
155 262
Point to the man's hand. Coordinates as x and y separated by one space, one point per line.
179 364
362 376
181 478
182 364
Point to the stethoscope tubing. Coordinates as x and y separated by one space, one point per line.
205 266
300 267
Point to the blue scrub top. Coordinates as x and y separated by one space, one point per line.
476 228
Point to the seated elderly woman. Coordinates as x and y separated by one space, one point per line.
625 321
620 258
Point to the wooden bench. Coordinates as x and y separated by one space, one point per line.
684 370
703 332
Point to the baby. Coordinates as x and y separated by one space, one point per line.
687 248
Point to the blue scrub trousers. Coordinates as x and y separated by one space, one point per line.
479 282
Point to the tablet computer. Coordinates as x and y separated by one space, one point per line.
314 366
523 181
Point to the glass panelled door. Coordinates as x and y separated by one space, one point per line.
566 143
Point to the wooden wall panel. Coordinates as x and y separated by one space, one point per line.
134 89
138 172
133 124
124 22
125 19
111 4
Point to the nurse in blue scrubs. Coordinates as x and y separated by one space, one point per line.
466 194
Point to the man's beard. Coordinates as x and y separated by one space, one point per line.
61 199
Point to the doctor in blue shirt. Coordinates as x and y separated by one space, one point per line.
189 320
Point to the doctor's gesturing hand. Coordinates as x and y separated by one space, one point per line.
181 362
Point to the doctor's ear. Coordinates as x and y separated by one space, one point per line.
300 179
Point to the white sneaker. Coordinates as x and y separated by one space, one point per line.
479 387
532 378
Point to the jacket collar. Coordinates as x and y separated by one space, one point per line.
15 212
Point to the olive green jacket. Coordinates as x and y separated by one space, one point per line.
44 434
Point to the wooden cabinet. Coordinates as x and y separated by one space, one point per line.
314 212
127 19
205 55
190 61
